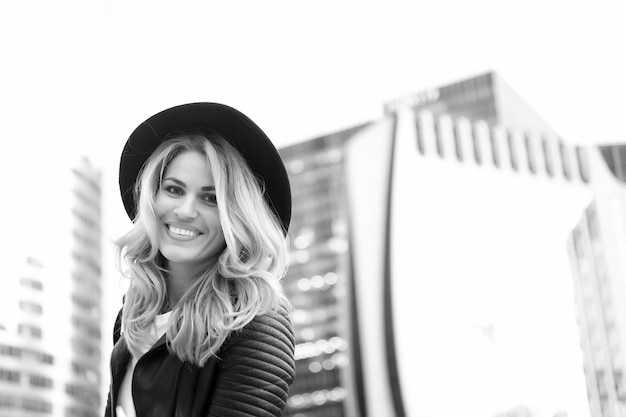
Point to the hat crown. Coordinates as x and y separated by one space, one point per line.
237 128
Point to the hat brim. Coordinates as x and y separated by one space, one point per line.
239 130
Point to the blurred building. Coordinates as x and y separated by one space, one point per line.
596 247
27 366
50 322
485 97
409 289
316 280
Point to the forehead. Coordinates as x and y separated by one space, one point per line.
189 166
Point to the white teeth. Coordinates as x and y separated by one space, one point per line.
182 232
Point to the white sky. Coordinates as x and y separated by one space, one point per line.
306 68
300 69
78 76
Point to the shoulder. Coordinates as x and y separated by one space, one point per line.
256 367
276 323
266 343
271 332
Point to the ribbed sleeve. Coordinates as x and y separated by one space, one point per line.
256 368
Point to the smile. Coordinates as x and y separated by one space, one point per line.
182 232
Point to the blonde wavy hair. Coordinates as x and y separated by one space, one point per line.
244 282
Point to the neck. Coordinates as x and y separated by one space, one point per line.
180 278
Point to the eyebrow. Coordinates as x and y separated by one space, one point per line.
182 184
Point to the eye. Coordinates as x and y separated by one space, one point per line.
173 190
210 199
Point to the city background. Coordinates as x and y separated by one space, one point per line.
458 193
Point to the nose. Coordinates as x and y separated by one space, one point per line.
186 208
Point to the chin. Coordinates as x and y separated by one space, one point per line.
179 256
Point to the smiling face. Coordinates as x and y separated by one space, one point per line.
190 232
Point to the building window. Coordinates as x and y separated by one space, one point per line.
44 357
92 182
86 221
87 261
532 164
85 349
458 148
86 372
618 377
9 376
605 408
7 350
86 282
81 393
439 139
419 136
77 412
31 283
600 380
84 303
34 262
616 161
29 330
495 150
512 154
40 381
27 354
547 157
565 162
579 247
30 307
476 145
90 329
36 405
8 401
581 156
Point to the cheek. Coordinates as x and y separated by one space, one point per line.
161 205
158 204
219 239
211 219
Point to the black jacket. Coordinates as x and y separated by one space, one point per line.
250 378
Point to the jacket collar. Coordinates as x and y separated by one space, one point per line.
120 357
159 344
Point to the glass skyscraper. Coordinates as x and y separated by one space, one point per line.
50 359
425 245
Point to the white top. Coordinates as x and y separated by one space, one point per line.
125 405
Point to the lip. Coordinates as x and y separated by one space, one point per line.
184 229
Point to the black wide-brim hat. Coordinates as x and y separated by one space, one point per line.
238 129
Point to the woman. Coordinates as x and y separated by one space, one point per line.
204 326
